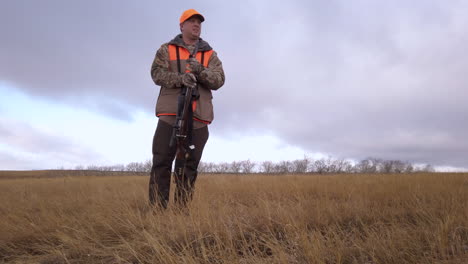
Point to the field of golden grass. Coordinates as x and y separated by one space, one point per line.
404 218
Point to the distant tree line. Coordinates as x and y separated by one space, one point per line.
298 166
130 167
320 166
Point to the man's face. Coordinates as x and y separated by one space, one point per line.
191 28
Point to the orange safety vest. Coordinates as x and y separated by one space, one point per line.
202 56
177 56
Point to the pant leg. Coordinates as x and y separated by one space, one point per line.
185 184
163 157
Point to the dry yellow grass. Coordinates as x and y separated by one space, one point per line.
418 218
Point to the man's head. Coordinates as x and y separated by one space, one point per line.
190 24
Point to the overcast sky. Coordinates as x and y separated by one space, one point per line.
349 79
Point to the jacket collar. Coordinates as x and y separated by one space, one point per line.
202 46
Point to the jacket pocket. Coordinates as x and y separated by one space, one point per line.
204 110
169 91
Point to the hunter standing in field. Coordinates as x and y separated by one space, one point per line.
185 61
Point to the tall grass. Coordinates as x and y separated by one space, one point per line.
414 218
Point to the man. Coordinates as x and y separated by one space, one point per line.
175 67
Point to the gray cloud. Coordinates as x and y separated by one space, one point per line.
383 81
25 147
10 162
351 79
77 50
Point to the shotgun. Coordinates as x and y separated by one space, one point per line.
182 131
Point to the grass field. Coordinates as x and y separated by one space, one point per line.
413 218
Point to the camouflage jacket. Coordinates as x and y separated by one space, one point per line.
165 74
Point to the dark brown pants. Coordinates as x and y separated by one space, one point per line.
163 157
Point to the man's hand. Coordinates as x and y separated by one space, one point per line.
194 66
188 79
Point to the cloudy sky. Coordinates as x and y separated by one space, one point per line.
347 79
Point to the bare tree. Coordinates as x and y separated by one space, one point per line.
387 166
118 167
105 168
267 167
285 166
330 166
211 167
207 167
147 165
399 166
300 165
378 164
222 167
235 167
92 167
409 168
320 166
247 166
427 168
366 166
349 168
202 167
341 165
134 167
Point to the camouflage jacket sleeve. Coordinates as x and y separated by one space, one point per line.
213 76
160 70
